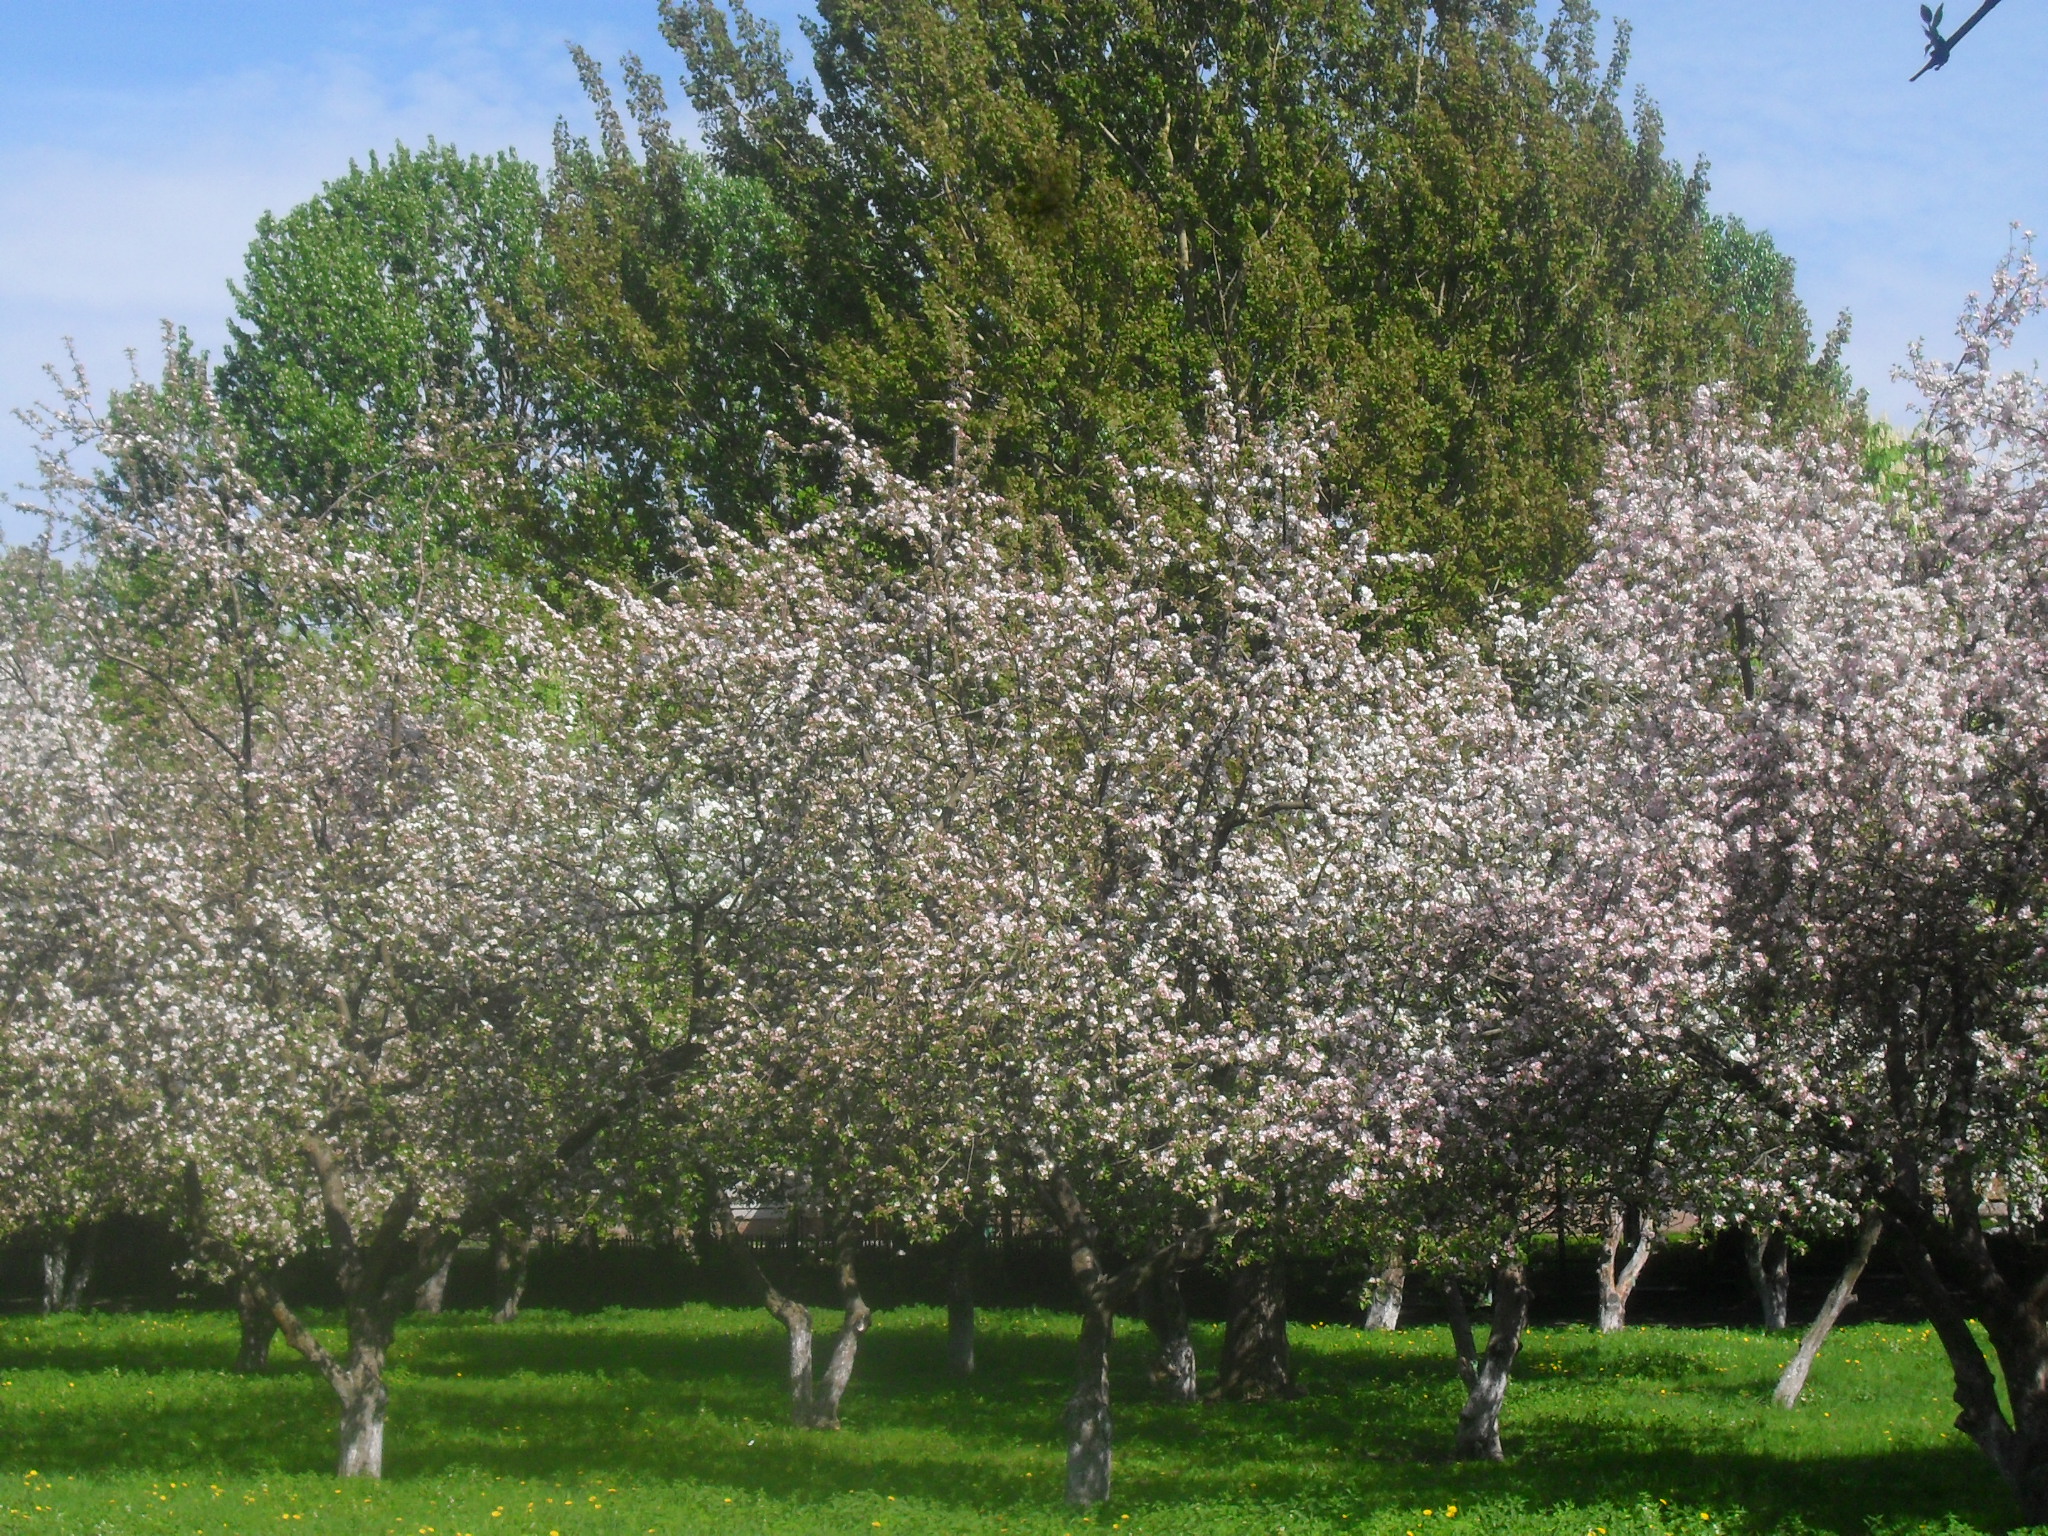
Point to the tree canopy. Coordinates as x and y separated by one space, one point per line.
859 661
1433 227
1436 229
377 314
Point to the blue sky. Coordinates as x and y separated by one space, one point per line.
140 140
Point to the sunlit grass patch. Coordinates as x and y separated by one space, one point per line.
672 1421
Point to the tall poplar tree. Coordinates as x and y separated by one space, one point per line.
1435 227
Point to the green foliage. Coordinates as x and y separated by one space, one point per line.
1906 470
1434 227
632 1421
667 324
550 380
375 320
1439 234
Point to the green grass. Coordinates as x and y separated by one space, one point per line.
630 1422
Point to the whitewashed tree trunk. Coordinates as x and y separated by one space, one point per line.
252 1358
810 1407
379 1282
433 1290
67 1267
1089 1429
795 1318
364 1403
1769 1256
511 1251
1793 1381
374 1302
1385 1294
1479 1422
358 1381
960 1301
853 1323
1616 1288
56 1267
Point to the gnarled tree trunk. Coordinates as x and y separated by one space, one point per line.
1165 1311
1089 1429
1793 1380
1769 1256
1615 1289
1385 1293
1968 1283
854 1321
1487 1376
377 1287
795 1318
258 1329
379 1281
812 1405
365 1401
511 1250
1256 1363
433 1290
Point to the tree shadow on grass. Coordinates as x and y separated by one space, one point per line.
695 1395
137 1344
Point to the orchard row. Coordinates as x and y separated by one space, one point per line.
914 855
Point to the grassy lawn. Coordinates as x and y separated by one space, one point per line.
632 1422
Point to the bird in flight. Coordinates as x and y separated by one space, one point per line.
1939 47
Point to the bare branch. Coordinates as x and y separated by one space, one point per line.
1939 47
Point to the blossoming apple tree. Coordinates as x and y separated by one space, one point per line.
1147 858
80 1114
388 1006
1851 686
756 757
1520 961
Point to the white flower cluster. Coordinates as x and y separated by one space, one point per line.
925 855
